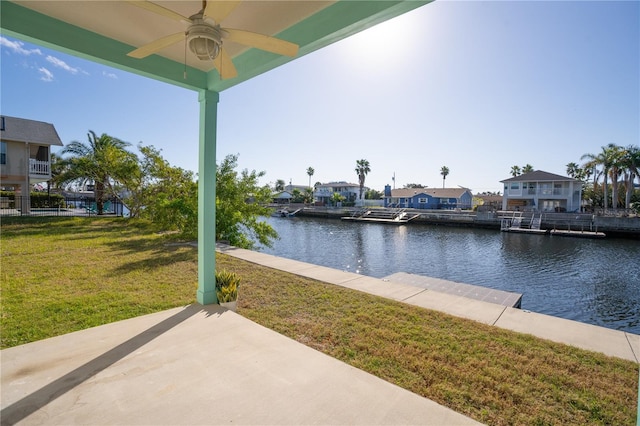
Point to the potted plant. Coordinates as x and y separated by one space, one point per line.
227 284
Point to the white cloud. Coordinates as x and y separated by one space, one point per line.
46 75
109 75
18 47
61 64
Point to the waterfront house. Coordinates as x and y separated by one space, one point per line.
25 156
323 193
283 197
428 198
542 191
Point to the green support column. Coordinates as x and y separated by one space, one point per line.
207 198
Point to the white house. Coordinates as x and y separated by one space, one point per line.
542 191
25 155
324 192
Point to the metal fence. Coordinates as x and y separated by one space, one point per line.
56 206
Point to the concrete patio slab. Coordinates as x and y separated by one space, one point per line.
197 365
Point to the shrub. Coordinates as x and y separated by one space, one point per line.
227 284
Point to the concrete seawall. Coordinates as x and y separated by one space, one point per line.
625 227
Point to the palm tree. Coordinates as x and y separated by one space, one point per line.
279 185
362 169
528 168
310 172
515 171
608 159
102 160
615 156
631 169
573 169
444 171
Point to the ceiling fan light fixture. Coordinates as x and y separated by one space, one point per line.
204 41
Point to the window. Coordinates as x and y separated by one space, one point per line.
515 185
3 152
422 200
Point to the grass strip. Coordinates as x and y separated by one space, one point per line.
65 274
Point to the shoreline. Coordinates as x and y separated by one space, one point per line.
613 227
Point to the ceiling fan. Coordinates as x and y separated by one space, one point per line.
206 38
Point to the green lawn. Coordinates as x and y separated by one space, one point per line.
64 274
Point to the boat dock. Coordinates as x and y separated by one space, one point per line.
397 217
579 234
522 224
485 294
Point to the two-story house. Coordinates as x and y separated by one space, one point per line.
428 198
542 191
323 193
25 155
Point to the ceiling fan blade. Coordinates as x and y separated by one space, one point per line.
156 45
224 65
261 41
218 10
155 8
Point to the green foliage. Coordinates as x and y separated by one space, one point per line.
43 200
240 202
102 159
372 194
166 195
227 284
39 199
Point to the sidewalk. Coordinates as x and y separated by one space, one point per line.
585 336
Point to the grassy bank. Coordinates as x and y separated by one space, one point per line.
64 274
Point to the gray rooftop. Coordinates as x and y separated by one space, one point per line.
28 131
538 176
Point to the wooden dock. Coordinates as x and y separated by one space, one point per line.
578 234
500 297
394 217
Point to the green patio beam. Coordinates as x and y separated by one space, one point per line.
207 198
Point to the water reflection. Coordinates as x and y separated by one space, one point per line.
593 281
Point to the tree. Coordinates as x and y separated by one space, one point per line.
166 195
528 168
573 170
240 202
515 171
103 159
372 194
608 158
336 197
279 185
308 195
362 169
310 172
631 169
444 171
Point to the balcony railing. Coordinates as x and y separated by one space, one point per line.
539 192
40 168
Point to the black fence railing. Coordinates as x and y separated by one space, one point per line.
24 206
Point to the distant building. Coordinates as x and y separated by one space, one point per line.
428 198
542 191
25 155
324 192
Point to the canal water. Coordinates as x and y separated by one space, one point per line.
592 281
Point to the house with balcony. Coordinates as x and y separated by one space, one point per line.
543 192
323 193
428 198
25 155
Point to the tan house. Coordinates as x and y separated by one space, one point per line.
543 192
25 155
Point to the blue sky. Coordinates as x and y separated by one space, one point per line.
474 86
